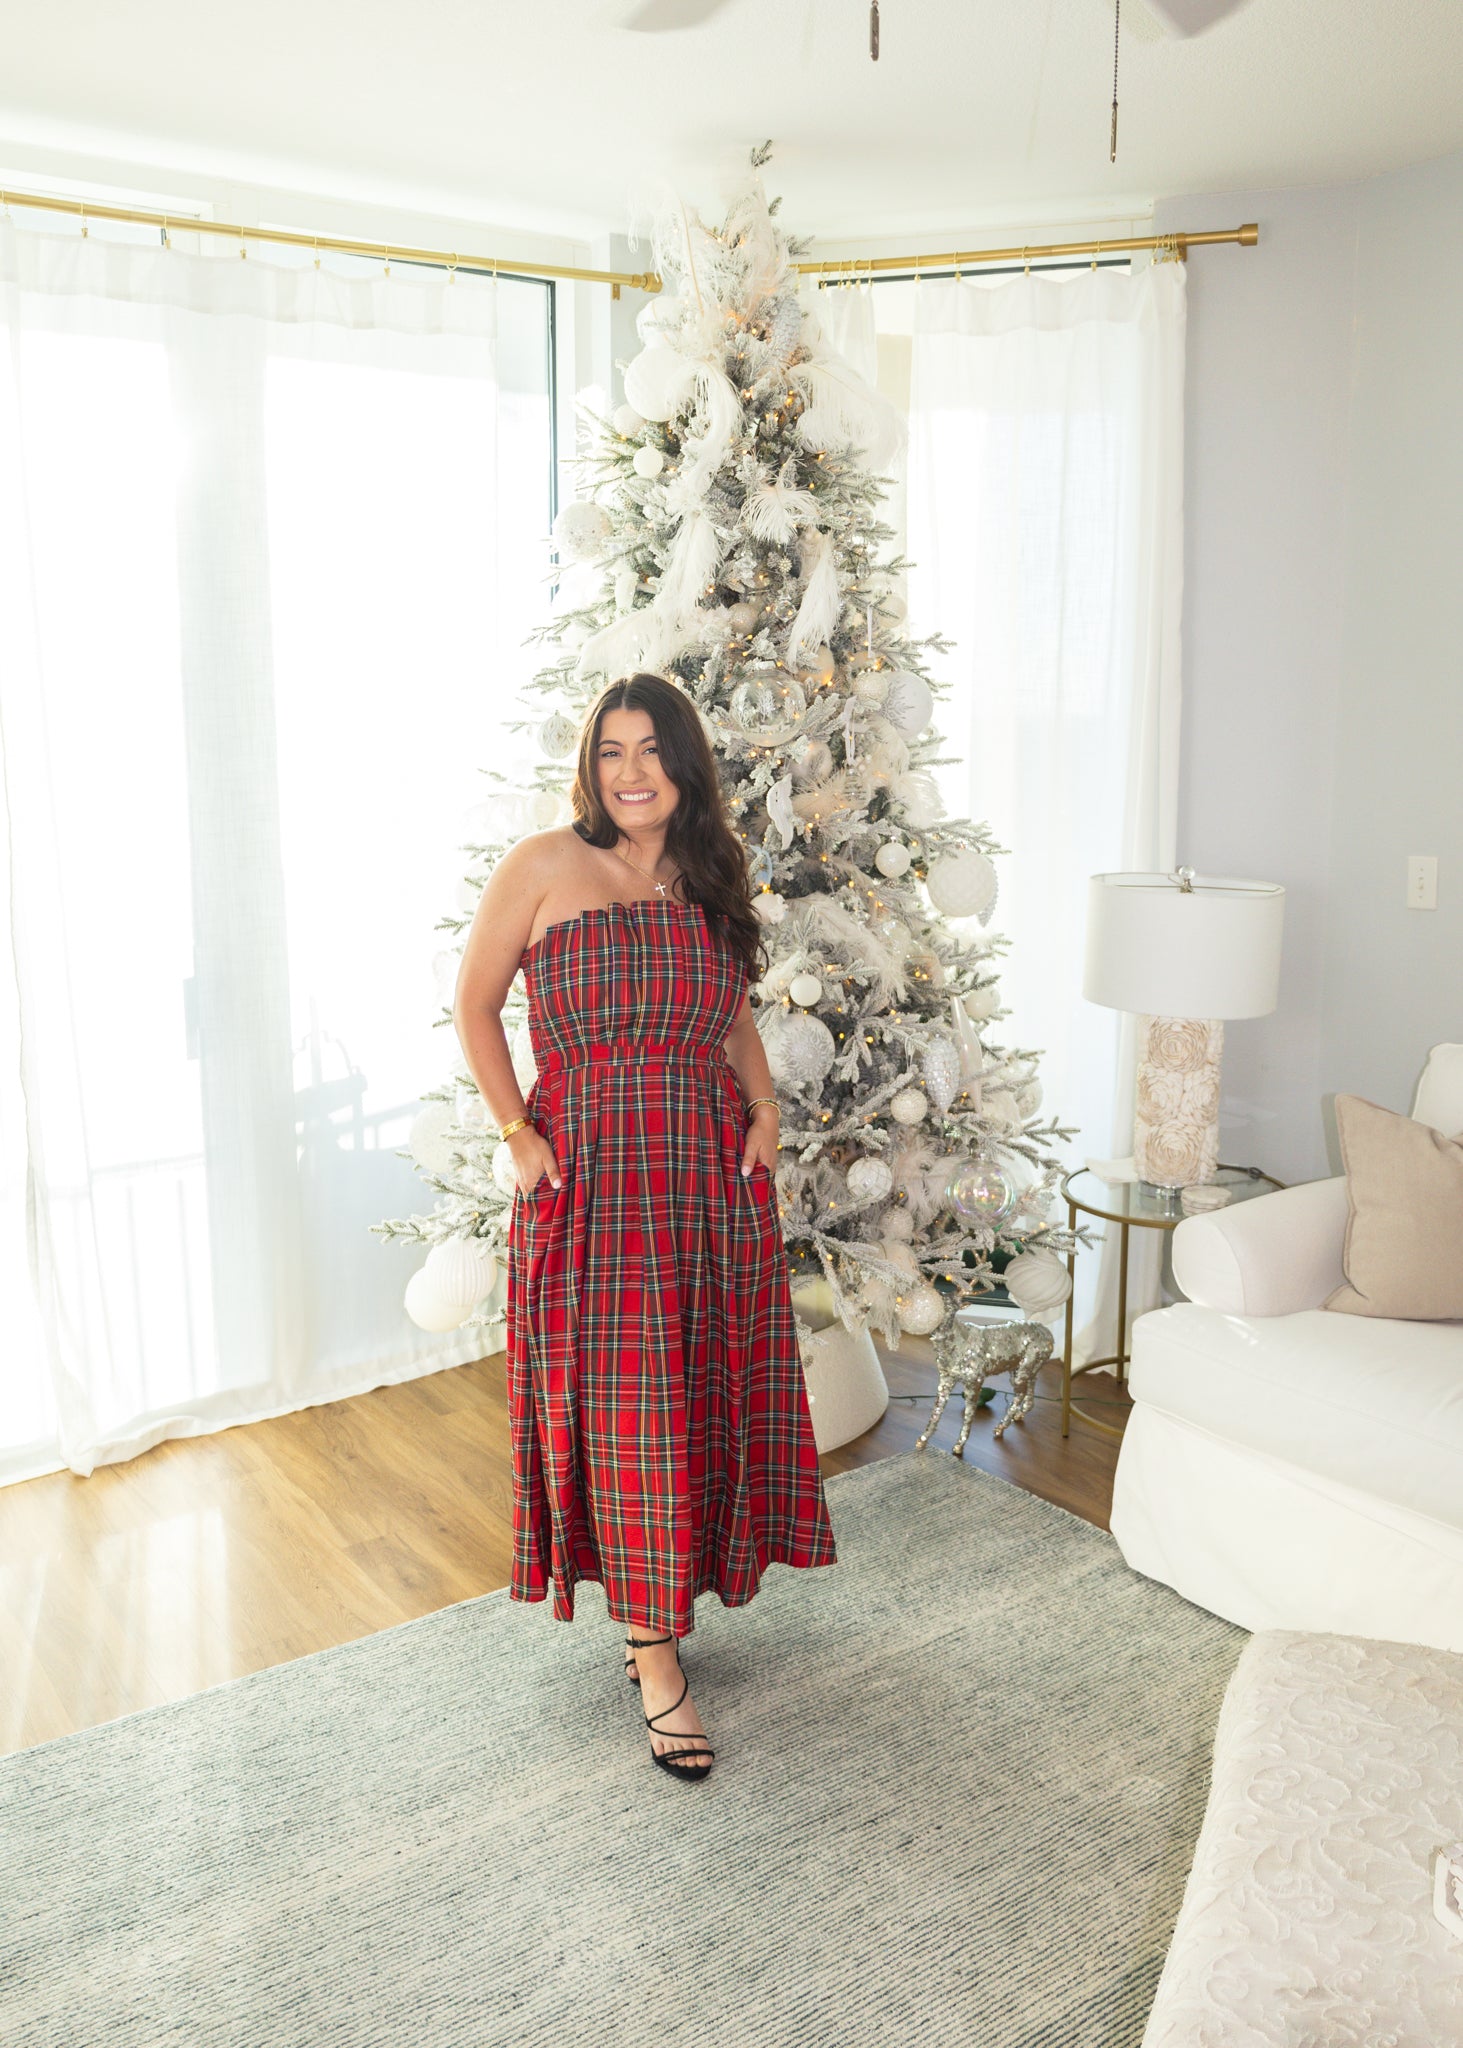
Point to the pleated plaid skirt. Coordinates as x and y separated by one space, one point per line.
660 1429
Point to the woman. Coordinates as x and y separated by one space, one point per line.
661 1438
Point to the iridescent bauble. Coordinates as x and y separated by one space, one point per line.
754 704
920 1310
940 1066
893 858
979 1193
869 1180
909 1106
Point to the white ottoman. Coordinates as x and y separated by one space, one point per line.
1307 1921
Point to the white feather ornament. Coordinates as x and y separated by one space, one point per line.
780 810
692 566
659 382
822 599
918 795
777 507
845 412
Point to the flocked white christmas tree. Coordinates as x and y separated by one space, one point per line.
728 537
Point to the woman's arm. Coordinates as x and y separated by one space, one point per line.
748 1058
490 959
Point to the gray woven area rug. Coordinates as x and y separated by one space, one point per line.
960 1774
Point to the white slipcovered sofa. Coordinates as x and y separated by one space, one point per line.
1286 1466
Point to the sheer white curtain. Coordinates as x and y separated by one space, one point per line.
260 620
1045 524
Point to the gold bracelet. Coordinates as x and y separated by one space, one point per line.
758 1100
519 1123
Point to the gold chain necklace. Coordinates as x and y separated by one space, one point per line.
660 888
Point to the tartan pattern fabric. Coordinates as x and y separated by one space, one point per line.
660 1429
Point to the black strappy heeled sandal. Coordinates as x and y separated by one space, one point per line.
668 1762
630 1672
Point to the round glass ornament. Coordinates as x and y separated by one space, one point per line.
979 1193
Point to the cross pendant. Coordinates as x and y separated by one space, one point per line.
660 888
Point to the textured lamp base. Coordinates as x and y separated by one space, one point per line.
1176 1121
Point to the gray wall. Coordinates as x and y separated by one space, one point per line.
1322 705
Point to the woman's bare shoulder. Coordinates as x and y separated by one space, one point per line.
544 856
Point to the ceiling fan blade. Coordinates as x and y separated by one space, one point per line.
1192 17
653 17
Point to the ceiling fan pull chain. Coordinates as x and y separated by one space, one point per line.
1117 15
874 30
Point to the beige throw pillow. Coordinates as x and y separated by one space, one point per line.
1404 1233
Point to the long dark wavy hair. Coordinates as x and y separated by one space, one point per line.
699 837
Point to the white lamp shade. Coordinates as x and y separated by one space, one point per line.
1160 950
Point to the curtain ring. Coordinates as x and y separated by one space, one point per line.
166 243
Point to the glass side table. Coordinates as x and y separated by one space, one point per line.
1130 1204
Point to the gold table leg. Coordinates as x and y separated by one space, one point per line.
1071 1310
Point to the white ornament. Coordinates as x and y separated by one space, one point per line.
770 908
892 605
820 663
918 795
1002 1108
872 687
505 1173
626 422
472 1111
920 1310
899 1255
428 1307
1038 1283
659 381
962 884
1028 1099
428 1142
800 1051
897 1224
908 705
940 1065
806 990
869 1180
742 617
893 858
648 461
525 1067
812 760
909 1106
557 736
982 1003
544 809
581 530
462 1269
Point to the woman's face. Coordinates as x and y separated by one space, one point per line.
633 787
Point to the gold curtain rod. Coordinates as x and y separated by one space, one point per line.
187 223
863 266
645 280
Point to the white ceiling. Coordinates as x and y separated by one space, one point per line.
553 116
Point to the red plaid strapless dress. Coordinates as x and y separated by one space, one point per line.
660 1428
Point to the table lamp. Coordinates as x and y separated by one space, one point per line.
1184 952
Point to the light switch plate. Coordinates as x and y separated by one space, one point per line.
1422 881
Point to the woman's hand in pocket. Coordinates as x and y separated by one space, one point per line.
533 1159
761 1146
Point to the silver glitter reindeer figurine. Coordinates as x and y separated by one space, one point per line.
968 1354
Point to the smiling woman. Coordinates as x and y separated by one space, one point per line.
661 1437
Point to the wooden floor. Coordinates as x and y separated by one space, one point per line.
213 1556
